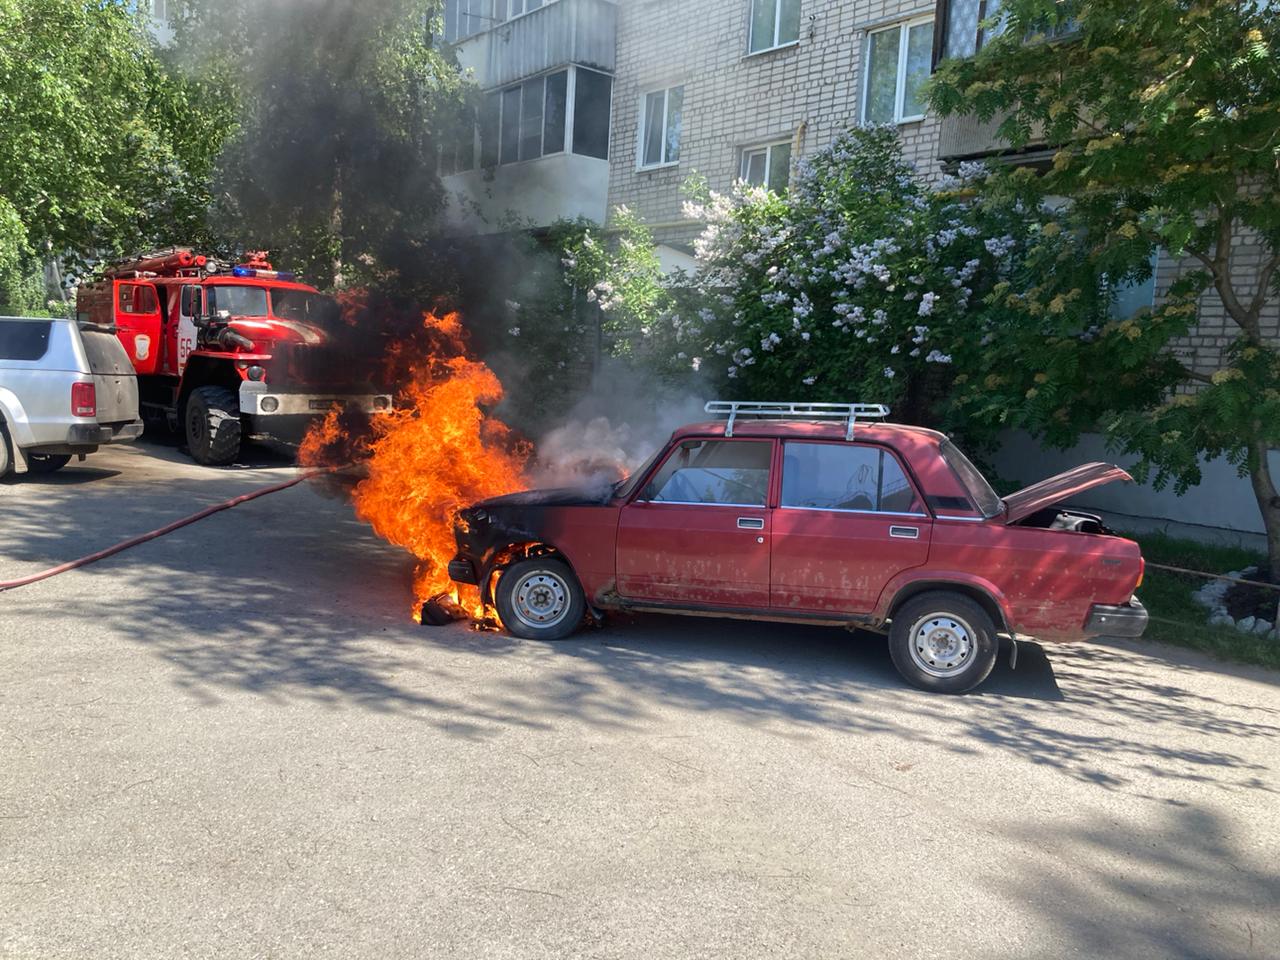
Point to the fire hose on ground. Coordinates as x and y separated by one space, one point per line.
161 531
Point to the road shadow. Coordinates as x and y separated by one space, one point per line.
72 475
290 597
1180 884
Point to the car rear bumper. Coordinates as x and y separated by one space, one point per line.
87 437
1126 620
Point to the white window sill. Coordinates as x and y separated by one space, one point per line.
651 167
901 122
782 46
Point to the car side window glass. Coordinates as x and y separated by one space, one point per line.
845 476
713 471
24 339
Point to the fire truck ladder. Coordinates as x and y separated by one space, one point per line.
848 413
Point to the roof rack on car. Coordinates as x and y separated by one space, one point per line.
850 413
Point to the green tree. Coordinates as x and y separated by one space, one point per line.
342 107
105 151
1165 118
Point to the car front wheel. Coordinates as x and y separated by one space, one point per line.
540 599
943 642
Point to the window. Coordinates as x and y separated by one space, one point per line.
774 23
529 120
714 471
660 127
985 500
898 63
136 298
768 166
238 301
534 119
1130 296
845 476
971 24
593 94
506 9
465 18
290 304
24 339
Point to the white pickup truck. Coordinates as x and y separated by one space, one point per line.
66 388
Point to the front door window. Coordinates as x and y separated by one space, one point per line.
714 471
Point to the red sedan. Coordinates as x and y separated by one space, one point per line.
806 513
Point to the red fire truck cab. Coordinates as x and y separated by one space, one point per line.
225 353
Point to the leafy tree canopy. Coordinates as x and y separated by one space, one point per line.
1164 121
104 150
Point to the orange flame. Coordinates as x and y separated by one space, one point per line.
438 452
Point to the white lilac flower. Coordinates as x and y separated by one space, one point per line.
769 342
937 356
926 304
804 335
696 364
895 349
888 372
810 381
514 331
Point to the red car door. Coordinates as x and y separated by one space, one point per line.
848 519
698 532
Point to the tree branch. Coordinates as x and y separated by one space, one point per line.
1264 282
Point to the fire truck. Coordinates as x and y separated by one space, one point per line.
226 352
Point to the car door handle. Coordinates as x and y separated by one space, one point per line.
751 523
906 533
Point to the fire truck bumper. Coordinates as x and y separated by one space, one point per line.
284 415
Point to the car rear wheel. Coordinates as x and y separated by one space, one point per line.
944 642
213 425
540 599
47 462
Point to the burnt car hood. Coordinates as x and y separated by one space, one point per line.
1063 486
587 495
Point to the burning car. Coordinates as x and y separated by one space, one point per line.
808 513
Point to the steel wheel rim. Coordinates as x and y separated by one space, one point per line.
540 599
195 424
942 645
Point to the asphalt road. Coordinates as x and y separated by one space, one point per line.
233 742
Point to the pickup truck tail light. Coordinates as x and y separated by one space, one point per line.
84 400
1142 569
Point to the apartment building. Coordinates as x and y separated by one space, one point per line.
541 147
742 89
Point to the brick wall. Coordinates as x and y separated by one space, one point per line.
808 92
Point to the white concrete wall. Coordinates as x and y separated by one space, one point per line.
1222 502
534 193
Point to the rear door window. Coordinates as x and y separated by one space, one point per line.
106 355
845 476
732 472
24 339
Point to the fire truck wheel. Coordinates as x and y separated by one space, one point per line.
213 425
47 462
540 599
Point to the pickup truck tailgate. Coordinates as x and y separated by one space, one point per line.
114 381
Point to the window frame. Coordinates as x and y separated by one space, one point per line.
900 81
566 139
767 149
644 128
883 450
777 27
638 495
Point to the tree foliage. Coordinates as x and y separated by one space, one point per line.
341 109
105 150
1164 116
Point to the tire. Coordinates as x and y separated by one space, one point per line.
212 422
943 642
540 599
6 461
47 462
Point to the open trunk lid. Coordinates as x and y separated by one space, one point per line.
1063 486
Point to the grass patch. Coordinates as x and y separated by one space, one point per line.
1177 619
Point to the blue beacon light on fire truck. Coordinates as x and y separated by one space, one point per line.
262 274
